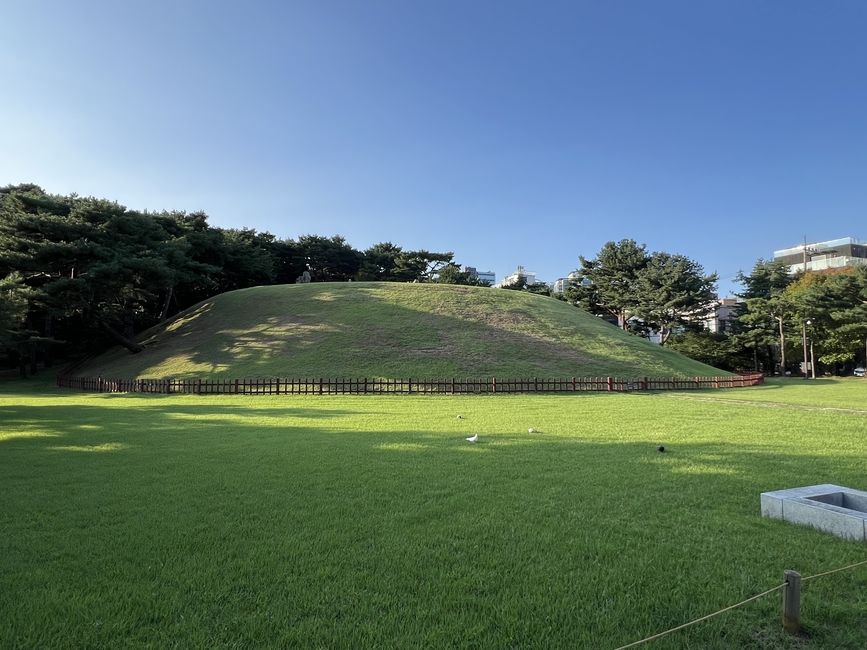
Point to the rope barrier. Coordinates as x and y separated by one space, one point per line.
703 618
730 607
819 575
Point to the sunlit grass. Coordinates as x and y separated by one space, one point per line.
370 521
375 329
849 393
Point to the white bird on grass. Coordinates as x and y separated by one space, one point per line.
473 438
531 430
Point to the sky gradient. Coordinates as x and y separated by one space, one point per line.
509 132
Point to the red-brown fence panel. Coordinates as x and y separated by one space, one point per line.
378 385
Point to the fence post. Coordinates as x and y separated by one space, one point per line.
494 384
610 383
792 602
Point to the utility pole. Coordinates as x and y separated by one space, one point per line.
804 323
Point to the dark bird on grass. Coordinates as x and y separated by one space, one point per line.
661 449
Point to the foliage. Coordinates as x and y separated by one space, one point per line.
763 316
673 290
643 291
829 306
717 350
451 274
15 300
607 284
106 270
833 305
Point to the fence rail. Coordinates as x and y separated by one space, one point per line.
451 386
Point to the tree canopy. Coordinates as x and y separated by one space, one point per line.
83 270
643 290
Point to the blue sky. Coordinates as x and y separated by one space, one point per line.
510 132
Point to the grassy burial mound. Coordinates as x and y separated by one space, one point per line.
389 330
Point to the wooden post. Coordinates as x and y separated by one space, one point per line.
494 384
610 383
792 602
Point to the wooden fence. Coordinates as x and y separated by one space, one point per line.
323 386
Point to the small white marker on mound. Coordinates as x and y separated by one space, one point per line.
473 438
531 430
460 417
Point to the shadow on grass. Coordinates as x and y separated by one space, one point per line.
127 507
368 332
148 426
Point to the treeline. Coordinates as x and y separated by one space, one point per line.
780 314
672 298
644 291
78 273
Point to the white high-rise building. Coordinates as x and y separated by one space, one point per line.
514 278
819 256
561 284
485 276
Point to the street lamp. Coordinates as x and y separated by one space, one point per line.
804 339
812 356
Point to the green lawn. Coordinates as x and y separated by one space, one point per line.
344 522
848 393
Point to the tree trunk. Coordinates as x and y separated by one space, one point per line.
19 361
34 360
782 347
664 335
47 349
165 312
126 342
